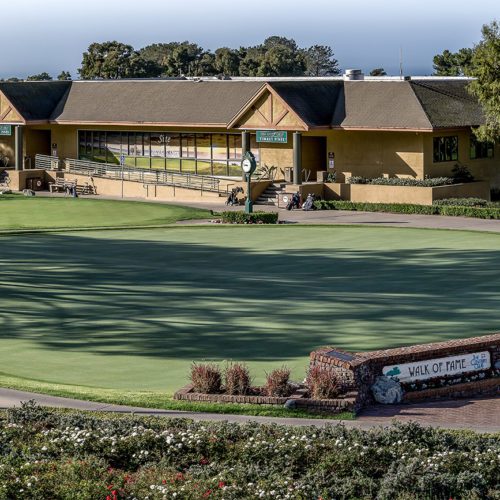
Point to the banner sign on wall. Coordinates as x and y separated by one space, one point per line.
440 367
276 136
5 130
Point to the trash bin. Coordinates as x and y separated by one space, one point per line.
34 183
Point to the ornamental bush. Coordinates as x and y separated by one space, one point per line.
322 383
488 212
239 217
237 379
396 181
68 455
462 202
278 382
206 378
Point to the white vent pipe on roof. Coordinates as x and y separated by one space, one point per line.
353 74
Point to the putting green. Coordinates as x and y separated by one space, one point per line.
132 309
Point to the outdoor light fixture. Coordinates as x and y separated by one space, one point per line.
248 165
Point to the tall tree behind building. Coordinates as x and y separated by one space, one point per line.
485 68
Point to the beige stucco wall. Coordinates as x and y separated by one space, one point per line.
375 153
487 169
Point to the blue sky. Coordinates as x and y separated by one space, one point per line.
51 35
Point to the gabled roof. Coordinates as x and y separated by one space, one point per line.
425 104
35 100
155 101
314 102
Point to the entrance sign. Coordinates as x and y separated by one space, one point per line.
331 159
440 367
5 130
276 136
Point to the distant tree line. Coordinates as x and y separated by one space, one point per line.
276 56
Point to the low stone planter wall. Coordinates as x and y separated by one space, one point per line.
373 193
345 403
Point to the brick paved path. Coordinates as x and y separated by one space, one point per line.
482 415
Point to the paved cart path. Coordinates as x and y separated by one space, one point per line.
341 217
481 414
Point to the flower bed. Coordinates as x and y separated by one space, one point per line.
299 397
49 454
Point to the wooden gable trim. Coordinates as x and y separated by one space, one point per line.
249 106
10 108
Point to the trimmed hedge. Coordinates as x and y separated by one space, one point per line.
402 208
253 218
396 181
462 202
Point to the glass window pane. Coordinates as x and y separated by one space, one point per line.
157 145
203 150
114 147
235 168
219 147
81 144
172 145
130 161
188 165
139 146
234 147
203 167
146 143
158 163
143 162
188 146
173 164
88 142
219 167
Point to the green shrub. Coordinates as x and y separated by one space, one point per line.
322 383
239 217
88 456
278 382
462 202
488 212
461 173
396 181
237 379
206 378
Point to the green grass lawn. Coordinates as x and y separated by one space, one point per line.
129 310
21 212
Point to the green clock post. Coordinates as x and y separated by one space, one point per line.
248 165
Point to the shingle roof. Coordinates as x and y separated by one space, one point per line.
384 105
416 104
35 100
150 101
447 103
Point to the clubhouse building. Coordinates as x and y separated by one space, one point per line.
370 127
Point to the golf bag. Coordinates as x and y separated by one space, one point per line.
294 202
232 199
309 203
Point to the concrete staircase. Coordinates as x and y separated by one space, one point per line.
271 194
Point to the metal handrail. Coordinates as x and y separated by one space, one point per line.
145 176
46 162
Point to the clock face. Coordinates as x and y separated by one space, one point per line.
246 165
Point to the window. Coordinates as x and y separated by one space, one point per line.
208 154
445 149
480 149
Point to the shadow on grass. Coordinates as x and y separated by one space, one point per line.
195 301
